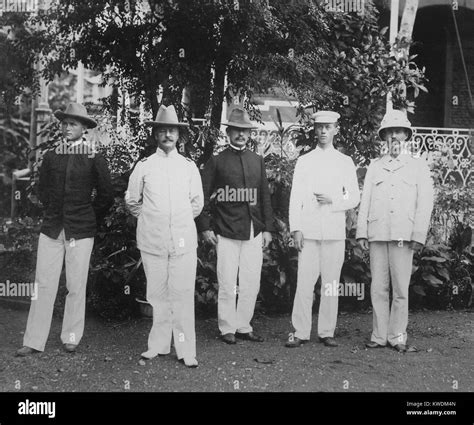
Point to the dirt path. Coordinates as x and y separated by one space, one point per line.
107 359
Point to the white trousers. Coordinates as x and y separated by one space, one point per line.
170 291
390 262
49 263
323 258
242 260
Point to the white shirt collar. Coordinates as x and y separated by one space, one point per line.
162 153
329 149
236 148
399 158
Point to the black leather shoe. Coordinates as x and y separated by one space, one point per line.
70 348
295 342
250 336
329 342
373 344
26 351
228 338
401 348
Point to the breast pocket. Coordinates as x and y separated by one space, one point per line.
378 187
409 182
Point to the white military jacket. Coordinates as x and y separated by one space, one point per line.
397 200
165 193
330 172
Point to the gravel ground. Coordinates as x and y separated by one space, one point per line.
107 358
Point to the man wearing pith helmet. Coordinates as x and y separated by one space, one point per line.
239 227
393 222
324 187
68 175
165 193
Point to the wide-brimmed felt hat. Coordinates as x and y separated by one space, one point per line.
395 118
77 111
239 118
166 116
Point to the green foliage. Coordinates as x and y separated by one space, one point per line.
324 59
442 277
206 281
116 278
17 71
14 135
179 43
352 72
278 280
20 234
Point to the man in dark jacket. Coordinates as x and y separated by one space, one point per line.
68 176
242 219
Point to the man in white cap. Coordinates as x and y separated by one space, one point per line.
393 221
324 187
165 193
240 226
68 175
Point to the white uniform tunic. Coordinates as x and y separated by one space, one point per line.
395 209
165 193
329 172
325 171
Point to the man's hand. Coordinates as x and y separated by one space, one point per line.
364 243
416 246
299 240
208 236
323 199
266 239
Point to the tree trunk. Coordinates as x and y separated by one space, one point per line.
406 30
218 91
408 19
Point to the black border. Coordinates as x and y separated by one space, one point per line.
237 408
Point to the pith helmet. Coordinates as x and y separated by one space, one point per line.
395 118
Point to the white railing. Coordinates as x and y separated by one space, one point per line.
454 142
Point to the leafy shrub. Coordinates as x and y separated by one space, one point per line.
18 243
443 274
206 281
278 280
116 278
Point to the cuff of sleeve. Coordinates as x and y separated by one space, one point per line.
202 224
269 227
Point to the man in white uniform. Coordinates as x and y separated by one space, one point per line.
393 221
324 187
165 193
